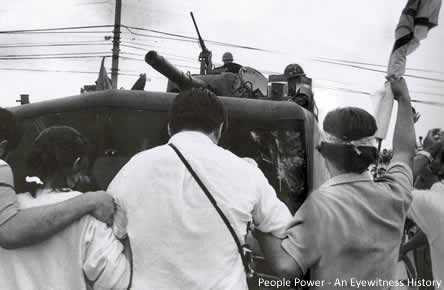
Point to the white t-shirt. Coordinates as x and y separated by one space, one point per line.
427 210
178 239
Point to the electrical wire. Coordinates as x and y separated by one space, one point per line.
161 52
52 29
61 71
186 38
65 32
52 42
370 94
52 54
376 70
51 45
56 57
377 65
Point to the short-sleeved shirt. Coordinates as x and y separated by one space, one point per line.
8 199
351 227
84 251
178 239
427 210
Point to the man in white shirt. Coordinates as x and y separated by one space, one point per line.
178 239
427 211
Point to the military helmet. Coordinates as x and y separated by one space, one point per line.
293 70
227 57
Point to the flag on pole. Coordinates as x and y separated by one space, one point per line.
417 18
103 82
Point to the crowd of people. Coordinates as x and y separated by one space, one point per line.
165 220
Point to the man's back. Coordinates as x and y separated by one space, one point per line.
178 238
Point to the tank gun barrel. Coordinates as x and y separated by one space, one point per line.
163 66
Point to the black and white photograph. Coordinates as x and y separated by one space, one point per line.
221 145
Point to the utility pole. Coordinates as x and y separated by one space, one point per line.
116 44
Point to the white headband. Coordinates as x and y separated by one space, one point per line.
366 141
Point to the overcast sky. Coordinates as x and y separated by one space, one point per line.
294 31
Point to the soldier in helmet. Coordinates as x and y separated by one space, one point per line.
298 88
227 58
229 65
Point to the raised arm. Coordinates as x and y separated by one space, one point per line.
404 139
33 225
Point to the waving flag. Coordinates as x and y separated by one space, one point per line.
417 18
103 82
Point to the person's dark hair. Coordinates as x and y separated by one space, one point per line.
54 151
10 130
349 124
197 109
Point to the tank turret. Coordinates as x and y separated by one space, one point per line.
248 83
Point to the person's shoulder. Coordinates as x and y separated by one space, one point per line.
3 163
6 175
397 173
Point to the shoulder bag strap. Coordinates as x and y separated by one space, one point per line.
214 203
3 184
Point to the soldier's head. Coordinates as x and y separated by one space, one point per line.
227 57
198 109
10 132
348 143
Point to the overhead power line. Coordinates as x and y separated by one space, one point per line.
52 29
53 54
56 57
440 104
66 32
59 71
189 38
55 44
376 70
146 47
378 65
